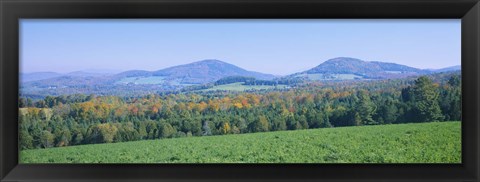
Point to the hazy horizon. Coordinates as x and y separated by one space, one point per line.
278 47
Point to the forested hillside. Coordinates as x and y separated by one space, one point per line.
205 74
87 119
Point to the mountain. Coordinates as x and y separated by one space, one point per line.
37 76
447 69
134 73
172 78
26 77
86 74
352 68
64 81
208 71
199 72
102 71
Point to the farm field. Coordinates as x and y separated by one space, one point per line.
240 87
436 142
142 80
330 76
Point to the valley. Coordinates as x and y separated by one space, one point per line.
219 113
202 74
266 91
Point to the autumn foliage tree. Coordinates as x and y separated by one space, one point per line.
78 119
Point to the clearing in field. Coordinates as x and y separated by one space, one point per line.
437 142
142 80
239 86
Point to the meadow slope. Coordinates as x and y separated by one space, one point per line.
437 142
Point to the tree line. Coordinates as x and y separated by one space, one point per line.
88 119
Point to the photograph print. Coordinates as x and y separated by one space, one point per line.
240 91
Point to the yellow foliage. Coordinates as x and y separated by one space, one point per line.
191 106
214 106
226 128
238 105
202 106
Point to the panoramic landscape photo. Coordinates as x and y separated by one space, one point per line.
240 91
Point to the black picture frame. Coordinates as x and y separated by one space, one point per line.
13 10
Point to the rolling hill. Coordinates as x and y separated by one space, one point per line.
352 68
28 77
172 78
206 72
447 69
199 72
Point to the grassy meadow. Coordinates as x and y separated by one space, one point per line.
238 86
436 142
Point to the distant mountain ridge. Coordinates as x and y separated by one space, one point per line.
36 76
356 66
27 77
211 70
171 78
367 69
207 72
199 72
451 68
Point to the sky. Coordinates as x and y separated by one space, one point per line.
277 47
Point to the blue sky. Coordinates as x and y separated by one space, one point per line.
270 46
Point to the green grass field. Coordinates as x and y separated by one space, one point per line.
238 86
438 142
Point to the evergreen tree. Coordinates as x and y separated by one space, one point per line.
365 109
426 106
47 139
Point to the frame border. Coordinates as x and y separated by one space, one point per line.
13 10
